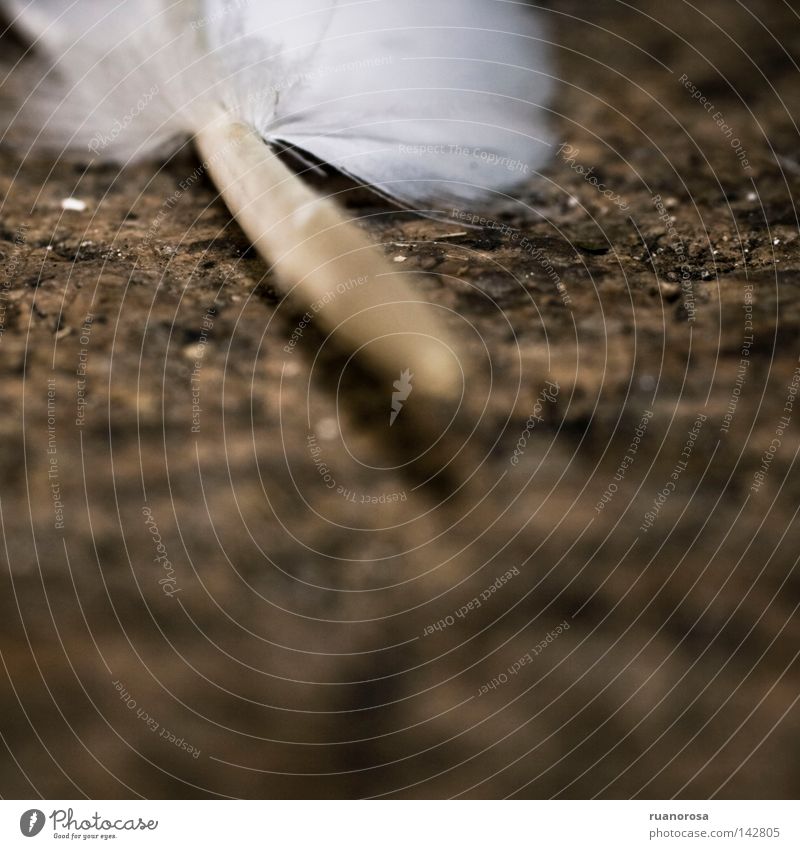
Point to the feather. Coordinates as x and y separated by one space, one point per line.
430 103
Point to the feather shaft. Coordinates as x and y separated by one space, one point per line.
317 251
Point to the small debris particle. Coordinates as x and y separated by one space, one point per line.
443 236
194 351
73 205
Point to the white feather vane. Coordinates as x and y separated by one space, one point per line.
431 102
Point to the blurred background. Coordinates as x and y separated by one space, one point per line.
597 597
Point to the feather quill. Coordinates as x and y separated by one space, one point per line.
434 104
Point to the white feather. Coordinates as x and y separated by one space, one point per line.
431 102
